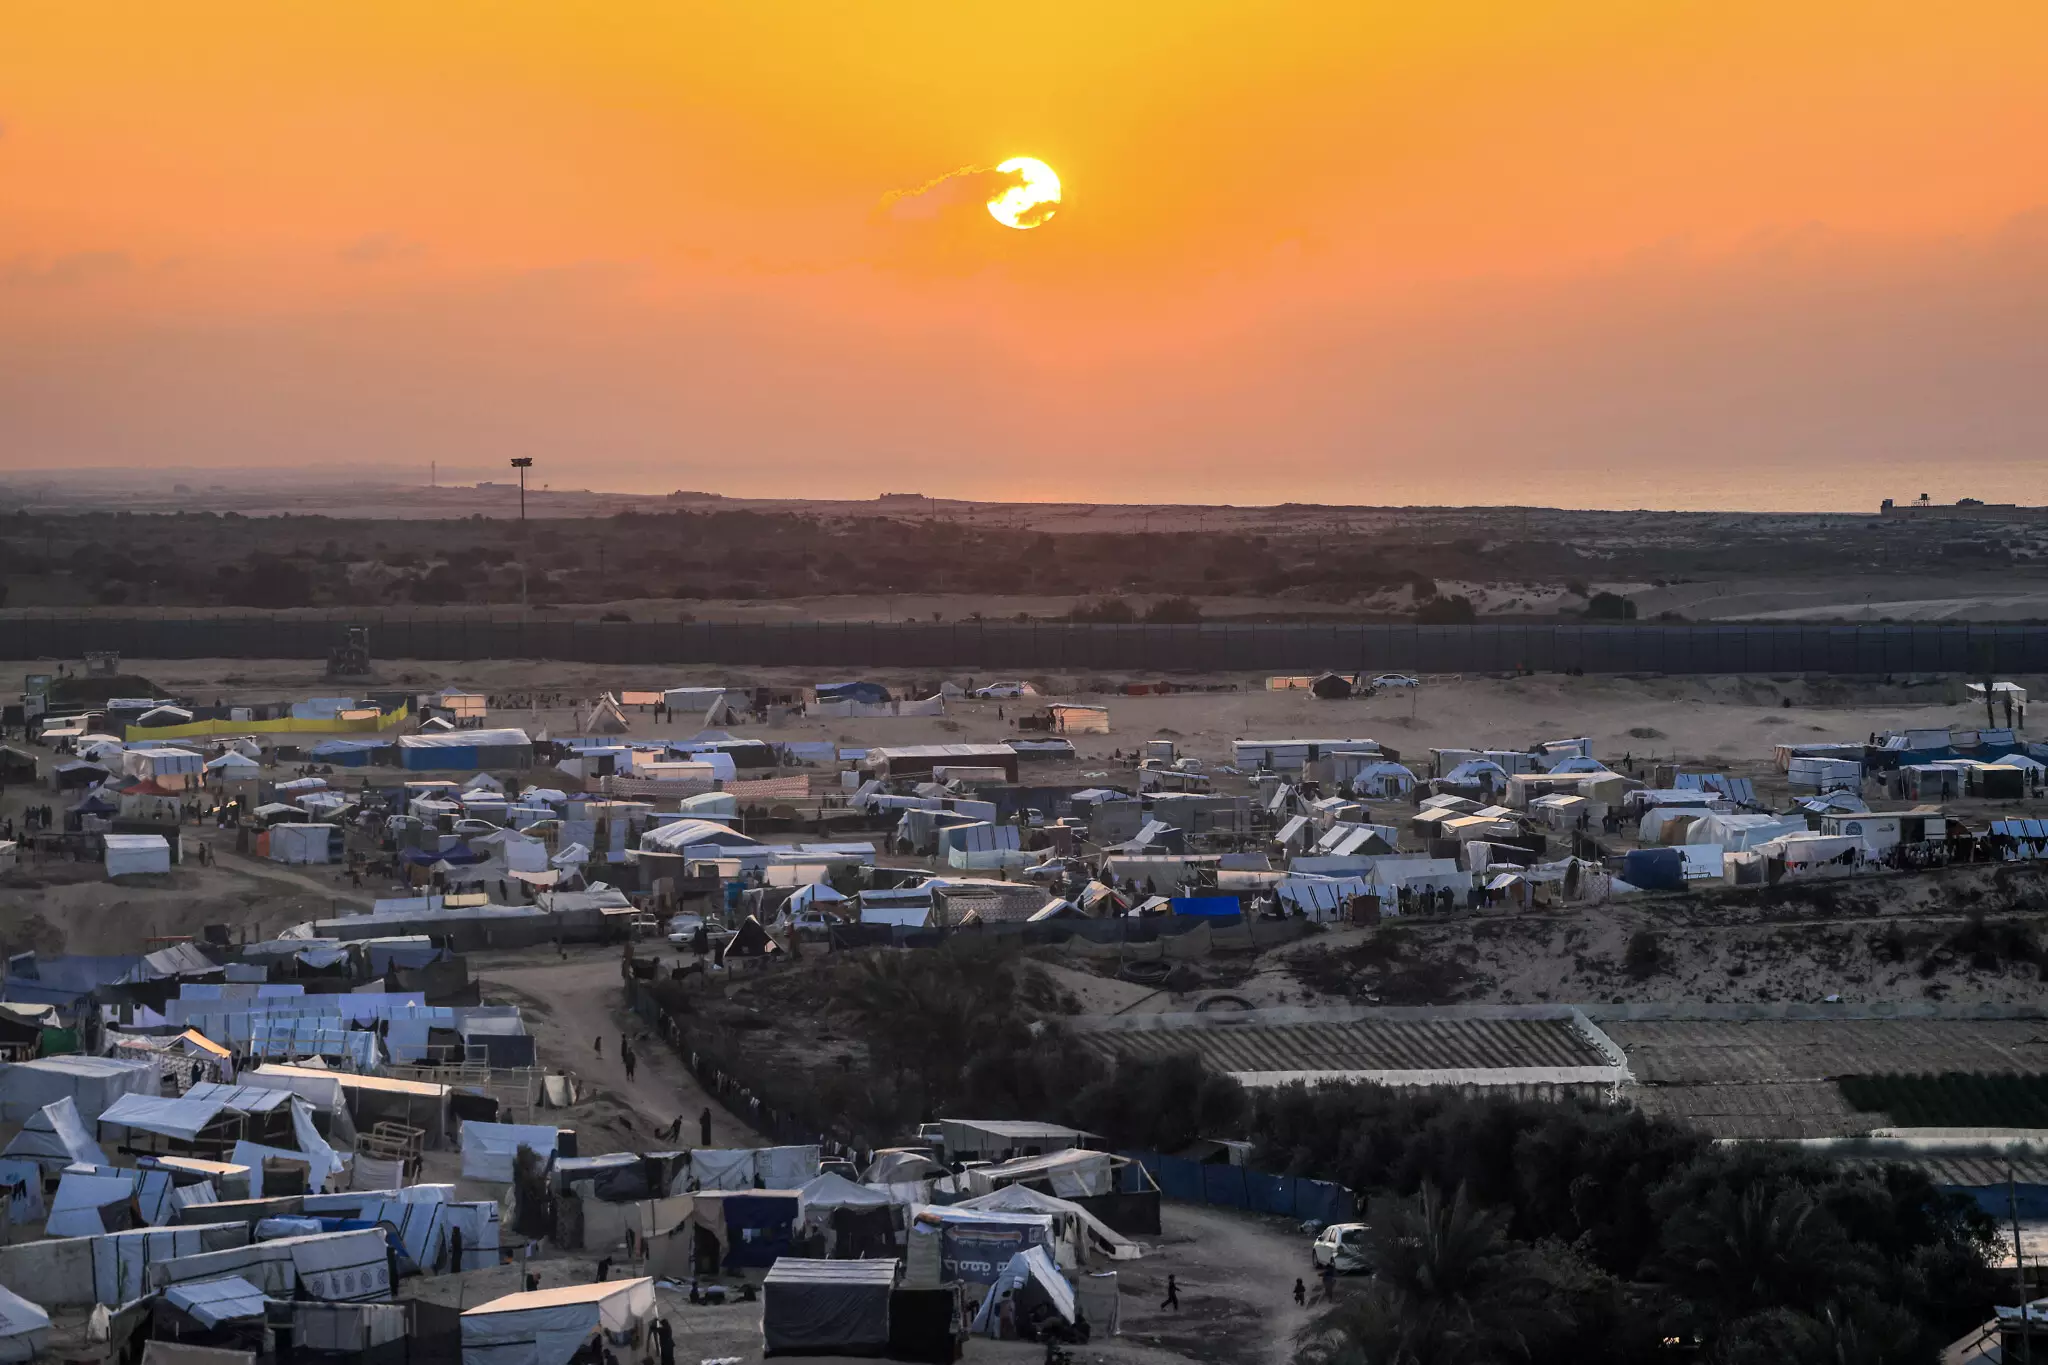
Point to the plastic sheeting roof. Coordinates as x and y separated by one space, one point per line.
213 1302
178 1118
21 1319
465 739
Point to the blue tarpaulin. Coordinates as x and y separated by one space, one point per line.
757 1228
1208 907
1239 1187
852 691
1654 869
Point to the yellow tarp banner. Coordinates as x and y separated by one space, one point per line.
354 723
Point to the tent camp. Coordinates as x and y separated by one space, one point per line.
548 1326
90 1083
826 1307
24 1327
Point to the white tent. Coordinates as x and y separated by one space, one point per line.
54 1136
1031 1266
709 803
605 718
308 843
488 1148
232 764
1066 1214
213 1302
181 1118
76 1209
833 1191
811 896
548 1326
91 1083
24 1327
1738 832
137 854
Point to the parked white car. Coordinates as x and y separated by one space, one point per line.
1342 1245
683 928
1396 680
1004 690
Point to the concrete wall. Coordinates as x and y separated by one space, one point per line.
1647 647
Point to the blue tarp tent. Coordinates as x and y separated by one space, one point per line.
1207 907
349 753
853 691
757 1228
1654 869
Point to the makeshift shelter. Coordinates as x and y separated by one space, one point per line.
466 749
132 855
90 1083
307 843
54 1137
738 1168
210 1303
605 717
1000 1139
549 1326
1078 1231
1383 779
24 1327
88 1205
1037 1288
1068 719
826 1307
975 1244
488 1149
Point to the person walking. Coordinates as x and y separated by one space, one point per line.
628 1058
1300 1293
1172 1295
1330 1282
600 1045
704 1127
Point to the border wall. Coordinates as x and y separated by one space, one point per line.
1647 647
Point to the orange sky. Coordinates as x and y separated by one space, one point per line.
1362 252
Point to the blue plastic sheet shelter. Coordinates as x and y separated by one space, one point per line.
1206 907
758 1226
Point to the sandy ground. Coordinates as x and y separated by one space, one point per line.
1696 718
568 1004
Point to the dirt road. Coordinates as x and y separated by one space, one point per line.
568 1006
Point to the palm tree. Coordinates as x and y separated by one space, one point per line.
1760 1248
1450 1289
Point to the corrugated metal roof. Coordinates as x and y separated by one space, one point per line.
1368 1045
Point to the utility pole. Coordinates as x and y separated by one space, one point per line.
522 464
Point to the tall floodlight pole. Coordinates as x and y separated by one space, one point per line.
522 464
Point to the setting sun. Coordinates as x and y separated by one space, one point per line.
1028 204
